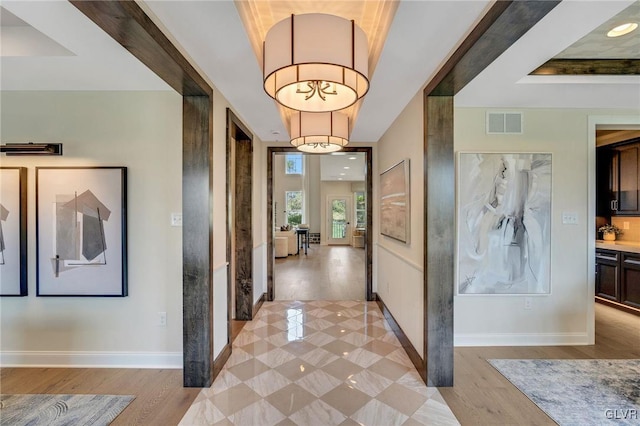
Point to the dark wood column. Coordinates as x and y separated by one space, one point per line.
243 255
197 245
439 214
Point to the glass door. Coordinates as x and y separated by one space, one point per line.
338 226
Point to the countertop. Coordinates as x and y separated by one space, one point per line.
626 246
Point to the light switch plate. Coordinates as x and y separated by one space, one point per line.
176 219
569 218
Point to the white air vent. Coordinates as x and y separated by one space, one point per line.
504 122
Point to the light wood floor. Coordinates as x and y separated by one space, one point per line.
325 273
480 395
160 397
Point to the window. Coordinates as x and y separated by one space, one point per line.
293 164
293 213
361 210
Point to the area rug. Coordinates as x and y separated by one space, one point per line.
59 410
579 392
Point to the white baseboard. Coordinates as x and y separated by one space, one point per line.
162 360
521 339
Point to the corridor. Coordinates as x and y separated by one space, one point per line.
318 363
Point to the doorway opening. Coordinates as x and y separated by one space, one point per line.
617 206
336 220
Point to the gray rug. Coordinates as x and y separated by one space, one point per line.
59 410
579 392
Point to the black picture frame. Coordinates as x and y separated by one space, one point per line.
81 231
14 192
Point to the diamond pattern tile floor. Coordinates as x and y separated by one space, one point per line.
318 363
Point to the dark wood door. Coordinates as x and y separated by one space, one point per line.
630 281
607 273
628 185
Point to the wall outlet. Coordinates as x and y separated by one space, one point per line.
162 319
625 225
569 218
527 303
176 219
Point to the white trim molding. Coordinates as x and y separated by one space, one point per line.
521 339
79 359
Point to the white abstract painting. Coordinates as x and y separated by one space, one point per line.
504 223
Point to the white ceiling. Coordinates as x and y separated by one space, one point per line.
421 37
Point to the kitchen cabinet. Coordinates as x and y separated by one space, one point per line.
627 180
608 274
630 280
618 277
618 179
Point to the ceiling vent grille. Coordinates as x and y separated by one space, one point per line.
504 123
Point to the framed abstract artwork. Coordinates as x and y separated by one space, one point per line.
504 223
395 203
81 231
13 231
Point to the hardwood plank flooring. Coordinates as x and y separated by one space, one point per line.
160 397
482 396
325 273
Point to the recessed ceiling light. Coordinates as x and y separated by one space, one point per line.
346 167
343 174
339 178
623 29
353 158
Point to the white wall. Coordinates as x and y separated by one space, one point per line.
142 131
259 211
398 270
139 130
314 206
259 220
564 316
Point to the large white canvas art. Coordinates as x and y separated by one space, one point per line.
81 231
504 223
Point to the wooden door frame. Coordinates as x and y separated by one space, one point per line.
236 130
128 25
368 246
503 24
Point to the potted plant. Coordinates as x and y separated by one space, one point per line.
609 232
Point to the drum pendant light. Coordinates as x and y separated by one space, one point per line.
316 63
319 132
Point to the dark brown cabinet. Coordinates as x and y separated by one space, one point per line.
618 179
618 277
627 188
630 280
608 274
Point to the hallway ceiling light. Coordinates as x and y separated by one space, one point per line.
623 29
316 62
319 132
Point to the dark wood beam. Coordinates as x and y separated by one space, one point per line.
589 67
127 23
503 25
